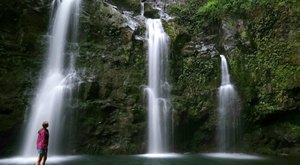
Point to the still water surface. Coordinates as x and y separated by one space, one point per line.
175 159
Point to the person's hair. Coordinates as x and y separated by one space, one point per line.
45 124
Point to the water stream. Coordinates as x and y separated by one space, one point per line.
159 109
57 80
228 119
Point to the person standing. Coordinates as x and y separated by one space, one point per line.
42 144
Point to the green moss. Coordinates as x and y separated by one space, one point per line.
264 67
264 63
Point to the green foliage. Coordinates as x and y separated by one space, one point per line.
265 70
199 15
187 14
193 98
278 136
267 75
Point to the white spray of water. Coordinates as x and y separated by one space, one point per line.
228 111
142 9
56 81
159 109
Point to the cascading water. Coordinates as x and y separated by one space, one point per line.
159 109
142 8
57 81
229 110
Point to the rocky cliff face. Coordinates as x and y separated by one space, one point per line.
260 42
262 47
23 24
112 63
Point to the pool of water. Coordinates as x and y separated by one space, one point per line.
154 159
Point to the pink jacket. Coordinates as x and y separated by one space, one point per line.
42 140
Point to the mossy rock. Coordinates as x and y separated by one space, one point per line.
128 5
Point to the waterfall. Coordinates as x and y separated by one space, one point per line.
142 8
228 121
57 80
159 109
